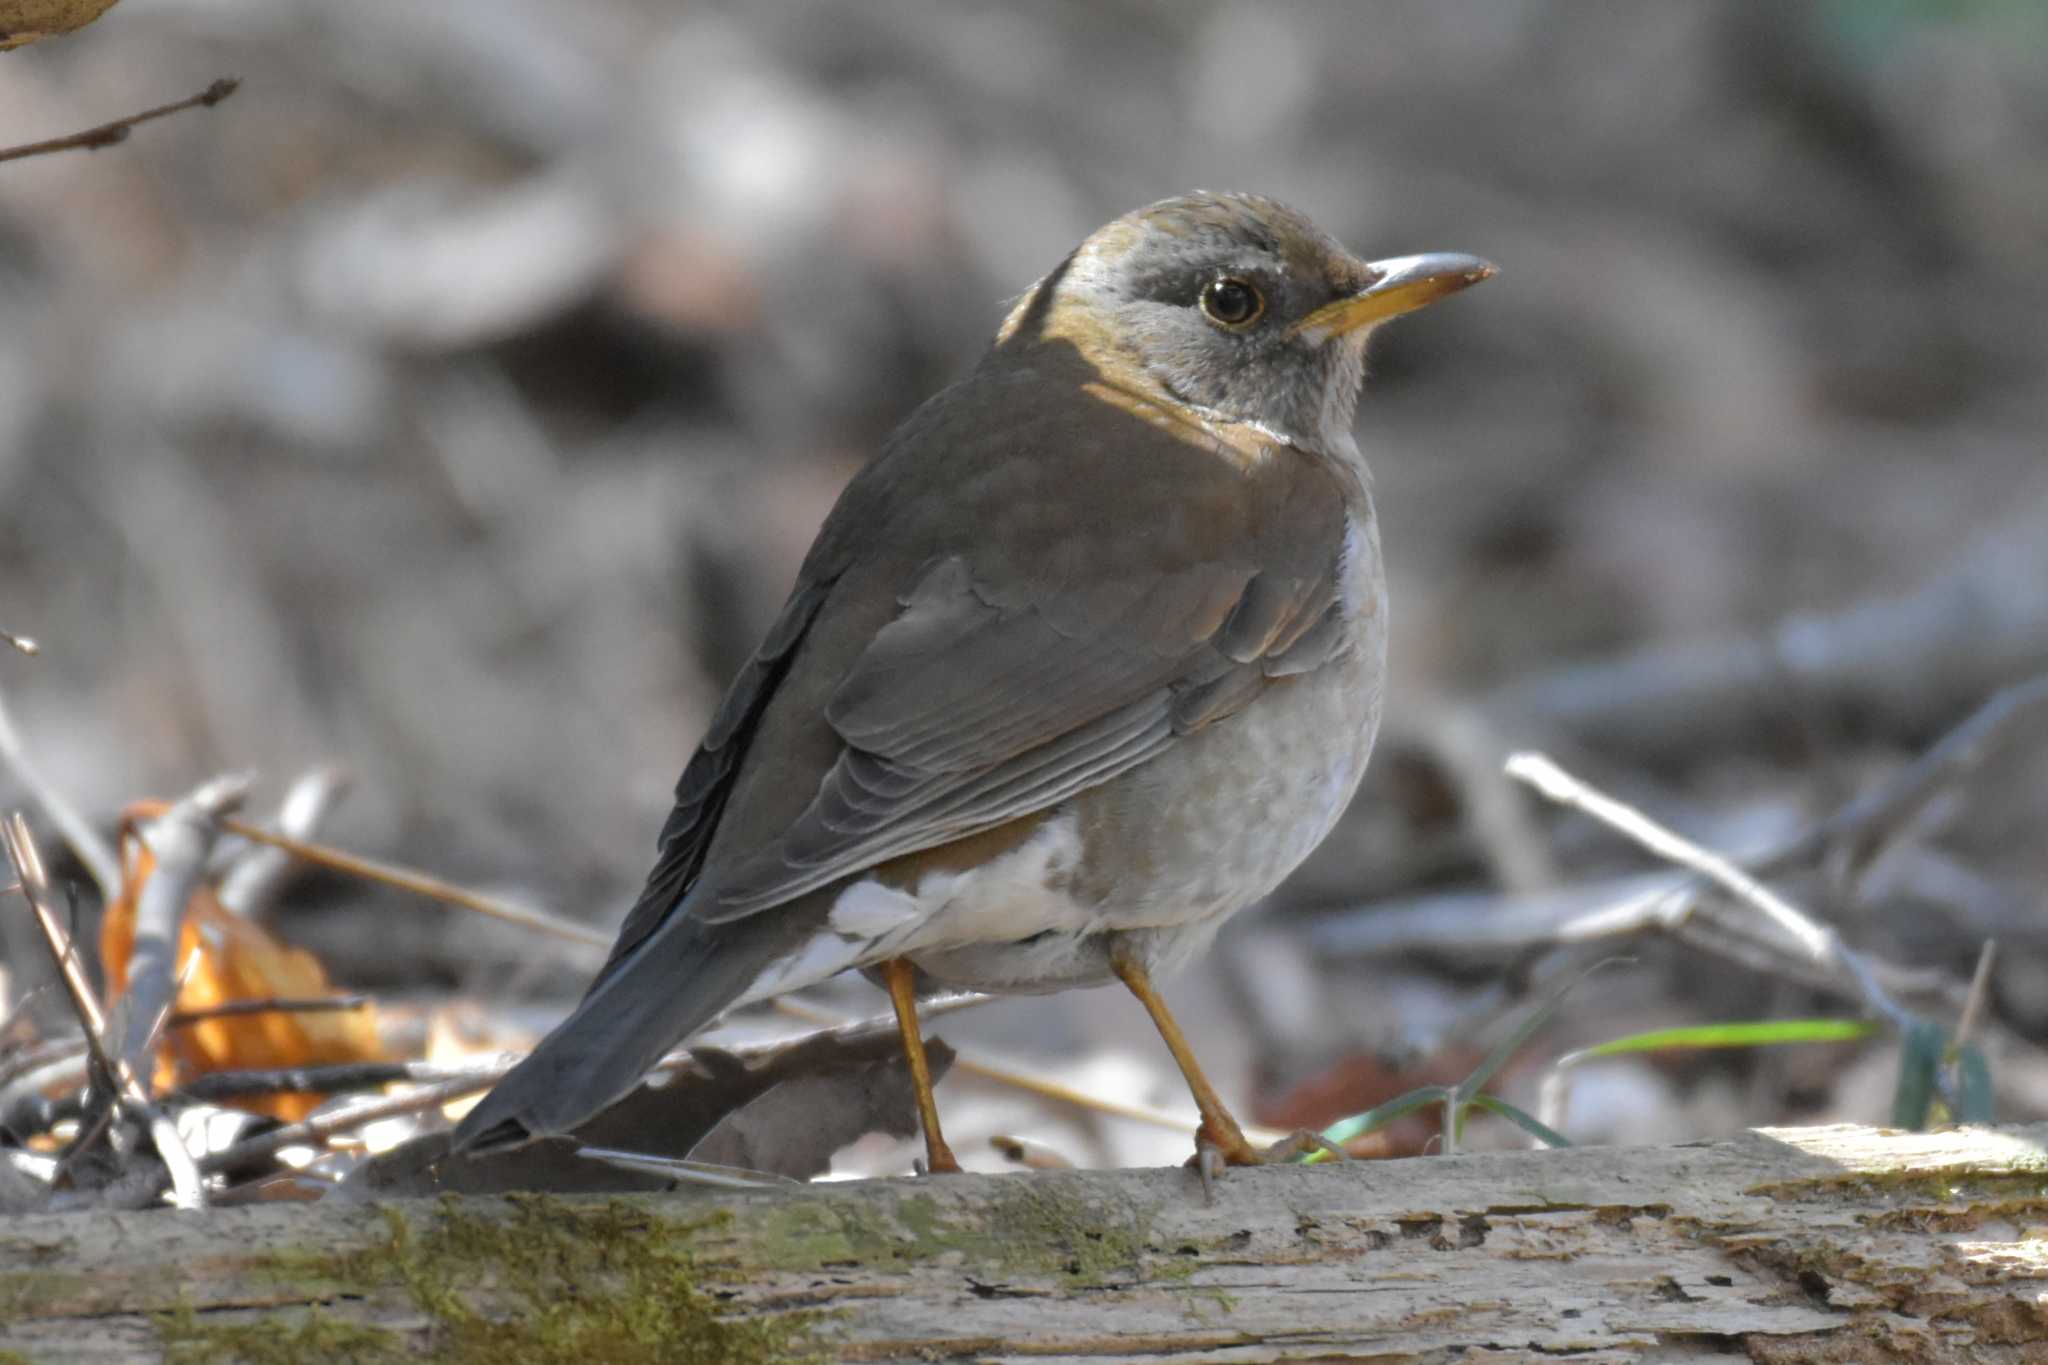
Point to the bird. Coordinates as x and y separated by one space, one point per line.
1085 661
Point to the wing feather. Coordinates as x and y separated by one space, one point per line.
961 714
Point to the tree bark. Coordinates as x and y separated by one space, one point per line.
1820 1244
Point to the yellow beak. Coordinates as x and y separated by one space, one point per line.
1405 284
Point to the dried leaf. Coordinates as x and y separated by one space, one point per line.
233 960
25 21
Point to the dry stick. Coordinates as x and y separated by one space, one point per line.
1820 943
107 134
420 883
1980 989
188 1190
252 884
180 842
84 841
274 1004
35 1056
335 1078
323 1126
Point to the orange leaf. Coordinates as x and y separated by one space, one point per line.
236 959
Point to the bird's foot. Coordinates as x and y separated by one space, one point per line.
938 1160
1222 1145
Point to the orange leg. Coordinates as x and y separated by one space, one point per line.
1219 1130
901 979
1219 1141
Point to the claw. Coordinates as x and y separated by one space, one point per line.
1217 1149
1208 1162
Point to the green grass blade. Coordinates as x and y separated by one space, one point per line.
1919 1064
1747 1033
1973 1075
1379 1116
1528 1123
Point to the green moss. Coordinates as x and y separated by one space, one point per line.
807 1234
23 1290
312 1335
1089 1243
1906 1187
551 1282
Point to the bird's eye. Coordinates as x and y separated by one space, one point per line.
1231 301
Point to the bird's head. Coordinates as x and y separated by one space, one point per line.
1236 306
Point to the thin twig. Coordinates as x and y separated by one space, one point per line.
420 883
320 1127
1980 990
337 1078
251 885
24 1061
107 134
28 868
1030 1153
188 1190
1819 942
228 1009
1542 773
180 842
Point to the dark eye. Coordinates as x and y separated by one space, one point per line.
1231 302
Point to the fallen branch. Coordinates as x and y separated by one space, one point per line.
1820 943
131 1092
179 842
421 884
252 884
1841 1243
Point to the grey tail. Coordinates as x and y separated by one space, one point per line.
672 984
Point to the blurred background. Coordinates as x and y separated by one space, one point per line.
453 405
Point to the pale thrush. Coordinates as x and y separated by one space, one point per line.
1085 662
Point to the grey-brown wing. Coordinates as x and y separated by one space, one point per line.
965 712
706 782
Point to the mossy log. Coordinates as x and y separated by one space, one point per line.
1819 1244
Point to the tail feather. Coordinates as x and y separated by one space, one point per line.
670 986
